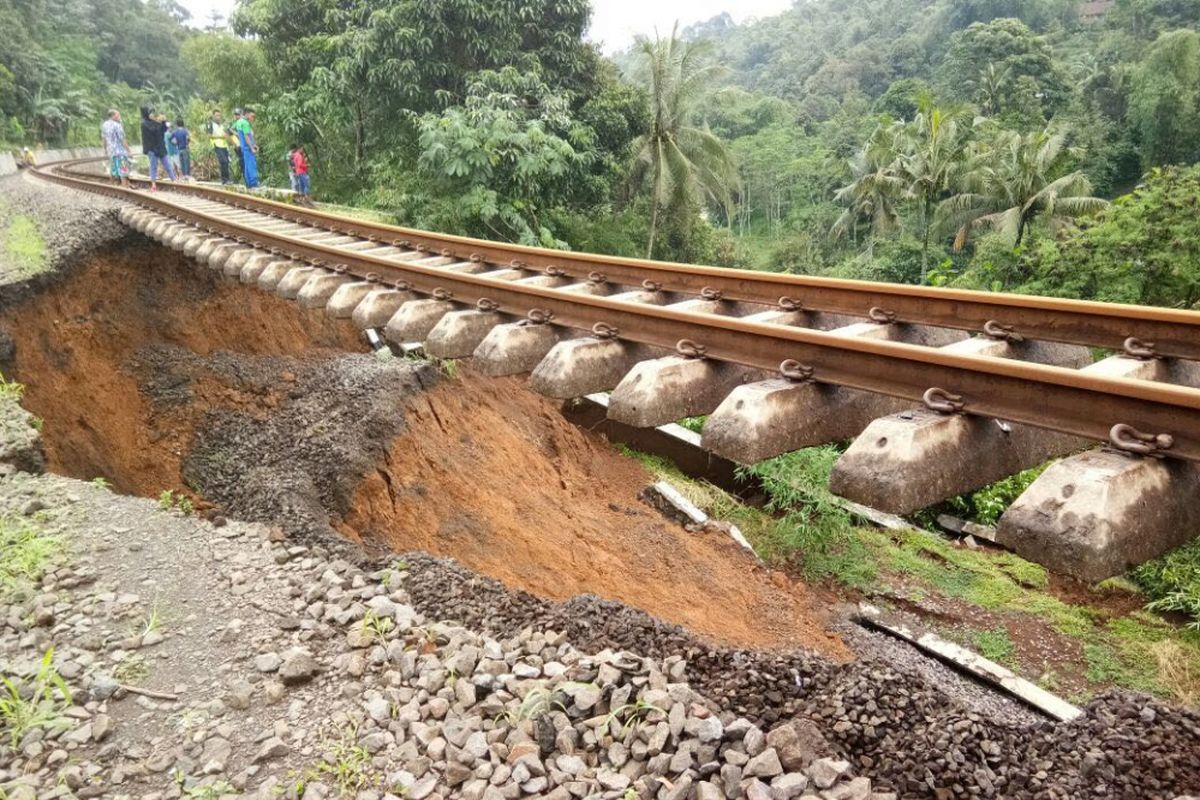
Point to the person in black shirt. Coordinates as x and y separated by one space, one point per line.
154 145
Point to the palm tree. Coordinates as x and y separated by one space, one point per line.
680 164
930 159
876 187
1011 184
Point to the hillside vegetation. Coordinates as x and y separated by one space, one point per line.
1014 145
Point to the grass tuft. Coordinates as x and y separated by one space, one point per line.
24 246
1173 581
38 702
25 555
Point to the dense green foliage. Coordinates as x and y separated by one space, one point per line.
64 62
965 142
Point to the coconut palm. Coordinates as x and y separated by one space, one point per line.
875 188
1012 183
931 156
678 163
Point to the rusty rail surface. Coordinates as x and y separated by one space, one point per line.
1166 331
1166 417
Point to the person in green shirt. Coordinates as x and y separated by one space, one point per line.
245 133
218 136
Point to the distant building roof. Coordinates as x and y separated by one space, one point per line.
1095 9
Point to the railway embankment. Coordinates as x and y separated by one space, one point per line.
221 569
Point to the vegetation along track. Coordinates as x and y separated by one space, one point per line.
545 285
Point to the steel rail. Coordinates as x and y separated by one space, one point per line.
1043 396
1170 332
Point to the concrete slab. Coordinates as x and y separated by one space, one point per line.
219 255
379 306
200 245
915 458
181 237
205 248
260 258
274 272
234 262
458 333
763 419
1096 514
579 367
348 296
315 293
413 320
289 285
515 348
667 389
254 267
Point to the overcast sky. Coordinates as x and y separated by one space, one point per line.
614 22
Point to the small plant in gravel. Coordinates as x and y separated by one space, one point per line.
131 670
11 389
536 703
168 500
345 763
25 554
101 482
213 790
38 702
632 715
376 627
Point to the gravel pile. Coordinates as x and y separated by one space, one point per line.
217 662
307 457
904 732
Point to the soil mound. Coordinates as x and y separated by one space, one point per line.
157 375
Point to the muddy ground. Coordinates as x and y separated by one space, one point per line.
156 375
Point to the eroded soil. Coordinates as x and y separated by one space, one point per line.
152 373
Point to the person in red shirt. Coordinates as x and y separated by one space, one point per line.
300 169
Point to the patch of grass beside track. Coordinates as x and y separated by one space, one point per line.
993 594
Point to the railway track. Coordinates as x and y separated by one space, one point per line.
778 361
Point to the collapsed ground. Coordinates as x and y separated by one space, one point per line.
157 378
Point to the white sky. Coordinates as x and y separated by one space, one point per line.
614 22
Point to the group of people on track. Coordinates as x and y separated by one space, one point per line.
168 147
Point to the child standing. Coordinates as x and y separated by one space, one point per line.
300 167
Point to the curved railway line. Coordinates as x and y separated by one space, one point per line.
680 340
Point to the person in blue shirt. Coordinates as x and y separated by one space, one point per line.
180 139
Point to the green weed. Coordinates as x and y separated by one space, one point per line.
10 389
537 702
987 504
995 644
346 764
1173 581
35 703
168 500
209 791
25 555
631 715
376 627
101 483
24 245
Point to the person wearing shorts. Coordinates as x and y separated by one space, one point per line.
112 134
300 168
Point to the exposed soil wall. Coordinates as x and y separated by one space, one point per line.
155 374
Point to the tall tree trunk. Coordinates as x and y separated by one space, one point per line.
925 212
654 208
359 134
653 227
